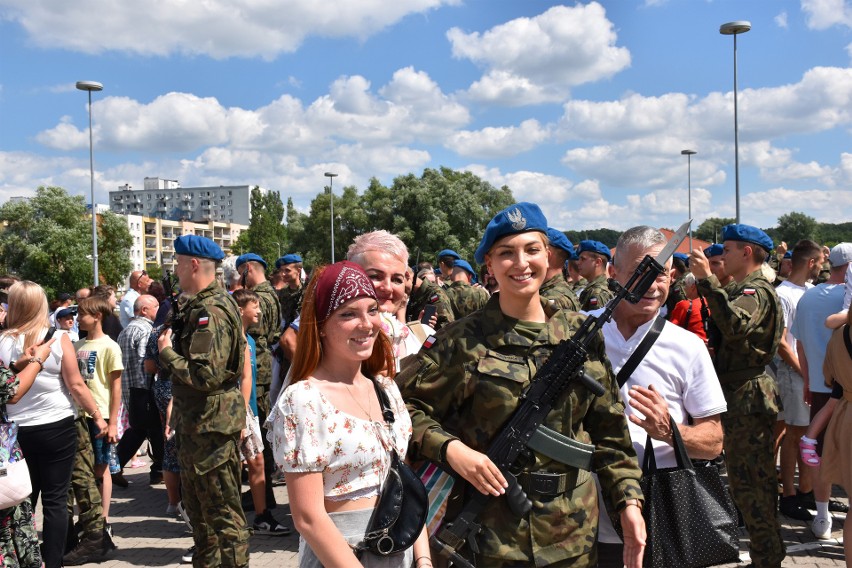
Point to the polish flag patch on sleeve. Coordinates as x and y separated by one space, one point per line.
203 320
593 301
748 291
430 341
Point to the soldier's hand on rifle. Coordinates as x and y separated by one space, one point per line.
698 264
165 339
476 468
649 403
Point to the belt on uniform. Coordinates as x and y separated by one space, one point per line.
561 448
544 484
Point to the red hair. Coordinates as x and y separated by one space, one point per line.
308 352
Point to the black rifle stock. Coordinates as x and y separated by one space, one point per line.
562 368
176 319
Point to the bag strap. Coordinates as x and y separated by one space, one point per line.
846 339
649 461
637 356
384 402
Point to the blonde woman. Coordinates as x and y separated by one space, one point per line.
327 429
45 413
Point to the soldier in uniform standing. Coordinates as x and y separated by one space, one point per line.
555 289
266 333
428 292
464 297
290 296
747 323
466 381
676 288
593 261
446 261
205 364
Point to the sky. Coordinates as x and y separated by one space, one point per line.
583 108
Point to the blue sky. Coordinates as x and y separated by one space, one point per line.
581 107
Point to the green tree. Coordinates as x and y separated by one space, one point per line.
609 237
48 240
796 226
711 229
266 236
114 243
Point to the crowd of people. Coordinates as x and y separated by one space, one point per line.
257 373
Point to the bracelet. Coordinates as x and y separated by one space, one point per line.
37 360
419 558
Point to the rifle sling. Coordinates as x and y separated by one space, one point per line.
561 448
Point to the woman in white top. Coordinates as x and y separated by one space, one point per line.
45 414
327 429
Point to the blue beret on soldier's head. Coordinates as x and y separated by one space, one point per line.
714 250
247 257
464 265
559 240
788 254
518 218
747 234
683 257
449 252
595 247
200 247
287 259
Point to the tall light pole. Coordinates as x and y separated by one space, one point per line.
734 29
90 86
331 177
279 249
689 154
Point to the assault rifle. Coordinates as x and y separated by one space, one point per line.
176 318
564 367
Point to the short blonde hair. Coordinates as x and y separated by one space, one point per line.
382 241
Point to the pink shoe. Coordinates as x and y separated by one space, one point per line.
137 463
810 457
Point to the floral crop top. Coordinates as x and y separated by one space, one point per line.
309 434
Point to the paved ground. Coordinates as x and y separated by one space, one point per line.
147 536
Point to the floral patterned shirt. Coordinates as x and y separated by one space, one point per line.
309 434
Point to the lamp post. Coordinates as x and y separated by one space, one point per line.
277 244
331 177
689 154
90 86
734 29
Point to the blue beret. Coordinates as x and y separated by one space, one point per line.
596 247
465 265
518 218
788 254
287 259
714 250
559 240
747 234
682 256
449 252
250 256
201 247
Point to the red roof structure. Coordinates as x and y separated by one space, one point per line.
684 246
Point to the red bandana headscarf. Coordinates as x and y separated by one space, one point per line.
339 283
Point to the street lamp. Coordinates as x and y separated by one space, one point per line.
734 29
90 86
331 177
279 249
689 154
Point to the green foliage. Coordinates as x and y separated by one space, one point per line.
48 240
832 234
114 243
607 236
265 235
711 229
793 227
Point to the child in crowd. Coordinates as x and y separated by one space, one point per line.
99 358
836 320
251 442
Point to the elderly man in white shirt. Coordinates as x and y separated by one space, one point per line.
138 284
675 378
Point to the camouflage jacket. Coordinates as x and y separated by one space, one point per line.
466 299
428 293
206 363
746 326
596 294
466 384
291 303
267 331
560 294
676 294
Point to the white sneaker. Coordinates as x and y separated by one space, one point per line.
821 528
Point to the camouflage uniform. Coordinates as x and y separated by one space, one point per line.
83 487
557 291
596 294
290 302
746 324
578 286
676 294
209 413
429 293
465 299
466 385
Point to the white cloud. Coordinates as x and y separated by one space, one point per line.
217 28
781 20
538 60
822 14
499 142
825 206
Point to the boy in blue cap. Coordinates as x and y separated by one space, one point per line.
593 262
745 331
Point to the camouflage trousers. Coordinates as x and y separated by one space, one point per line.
83 487
750 460
210 482
583 561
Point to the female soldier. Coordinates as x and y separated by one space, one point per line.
465 383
